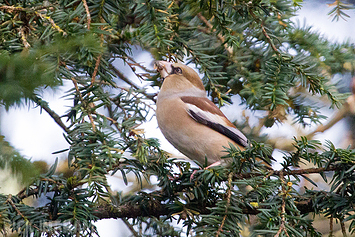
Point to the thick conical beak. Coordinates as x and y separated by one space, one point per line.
163 67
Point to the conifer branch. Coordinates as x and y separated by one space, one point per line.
219 35
264 31
229 193
97 64
129 82
88 16
84 103
44 105
9 200
23 38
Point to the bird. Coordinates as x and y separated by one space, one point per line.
191 122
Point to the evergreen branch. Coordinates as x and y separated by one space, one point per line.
331 227
136 96
264 31
24 9
269 39
123 77
44 105
97 64
292 172
9 200
88 16
54 25
35 191
130 227
125 57
23 38
129 82
84 103
108 118
155 208
342 225
229 193
219 36
284 193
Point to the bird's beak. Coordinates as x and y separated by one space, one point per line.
164 68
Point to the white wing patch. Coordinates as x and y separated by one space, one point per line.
214 118
217 123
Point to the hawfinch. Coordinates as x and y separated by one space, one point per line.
189 120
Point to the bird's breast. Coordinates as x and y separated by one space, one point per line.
191 138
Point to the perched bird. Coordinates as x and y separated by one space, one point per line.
189 120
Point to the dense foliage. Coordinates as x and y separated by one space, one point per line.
248 49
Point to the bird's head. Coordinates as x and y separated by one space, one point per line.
178 71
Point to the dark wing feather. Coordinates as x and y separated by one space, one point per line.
230 132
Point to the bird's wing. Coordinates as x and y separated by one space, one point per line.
203 111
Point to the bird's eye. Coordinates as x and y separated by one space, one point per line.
178 70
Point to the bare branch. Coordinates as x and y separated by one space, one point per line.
129 82
44 105
88 16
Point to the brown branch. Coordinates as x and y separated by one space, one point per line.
44 105
155 208
136 64
291 172
54 25
9 200
97 64
342 225
269 39
23 38
219 36
130 227
88 16
229 194
264 31
331 226
284 194
129 82
346 109
24 9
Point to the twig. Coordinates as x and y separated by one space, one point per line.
342 225
44 105
283 206
136 96
97 64
136 64
24 9
84 103
219 35
125 79
342 113
331 226
88 16
23 38
264 31
108 118
130 227
9 200
54 25
291 172
269 39
229 194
